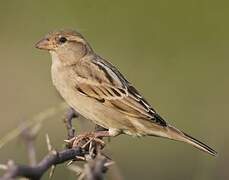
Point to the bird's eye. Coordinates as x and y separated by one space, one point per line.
62 40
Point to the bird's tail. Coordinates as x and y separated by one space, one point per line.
173 133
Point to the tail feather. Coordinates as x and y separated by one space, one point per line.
176 134
196 143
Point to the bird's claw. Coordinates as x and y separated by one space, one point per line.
85 140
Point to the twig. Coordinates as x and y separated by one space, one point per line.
95 169
80 148
29 135
39 118
36 172
68 122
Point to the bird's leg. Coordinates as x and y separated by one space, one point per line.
101 134
71 113
84 139
100 128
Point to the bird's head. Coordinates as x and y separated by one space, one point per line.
67 45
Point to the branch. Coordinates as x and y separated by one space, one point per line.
79 148
95 169
36 172
71 113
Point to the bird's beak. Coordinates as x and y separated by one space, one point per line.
44 44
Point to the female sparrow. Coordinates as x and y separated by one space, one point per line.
98 91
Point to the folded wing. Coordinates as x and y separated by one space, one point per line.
102 81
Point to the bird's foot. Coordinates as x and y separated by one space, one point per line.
88 139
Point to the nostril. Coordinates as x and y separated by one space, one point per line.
47 39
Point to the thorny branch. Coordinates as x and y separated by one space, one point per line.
86 149
36 172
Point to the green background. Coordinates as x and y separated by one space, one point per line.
174 52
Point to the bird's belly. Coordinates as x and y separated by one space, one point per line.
88 107
100 113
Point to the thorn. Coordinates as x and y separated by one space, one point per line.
52 171
70 141
67 141
81 158
48 143
107 164
82 176
69 163
91 152
91 146
87 143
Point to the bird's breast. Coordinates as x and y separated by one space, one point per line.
65 82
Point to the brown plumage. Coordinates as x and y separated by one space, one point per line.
97 90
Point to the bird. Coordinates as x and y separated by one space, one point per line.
97 90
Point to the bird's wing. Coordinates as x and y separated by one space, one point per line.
100 80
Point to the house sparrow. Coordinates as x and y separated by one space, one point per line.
98 91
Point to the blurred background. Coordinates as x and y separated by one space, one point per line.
175 52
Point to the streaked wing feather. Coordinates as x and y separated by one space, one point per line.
109 86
